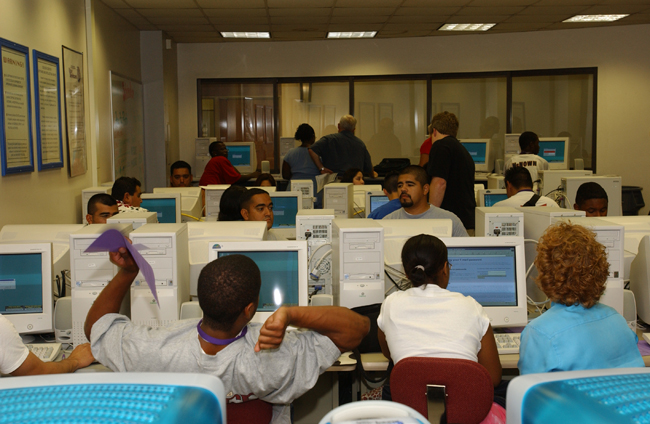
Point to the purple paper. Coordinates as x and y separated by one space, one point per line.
112 240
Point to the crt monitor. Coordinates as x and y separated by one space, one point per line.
26 286
481 151
283 268
374 200
166 205
492 271
556 151
286 205
491 196
640 278
191 201
242 155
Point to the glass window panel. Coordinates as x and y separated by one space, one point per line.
478 103
392 118
556 106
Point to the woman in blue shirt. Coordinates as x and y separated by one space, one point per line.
297 164
577 332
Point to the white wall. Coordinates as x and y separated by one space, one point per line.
49 196
619 52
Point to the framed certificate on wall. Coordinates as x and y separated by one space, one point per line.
47 96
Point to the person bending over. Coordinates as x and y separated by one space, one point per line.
427 320
180 174
577 332
17 360
253 361
127 192
101 207
592 198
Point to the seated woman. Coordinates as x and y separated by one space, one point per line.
577 333
265 180
354 176
429 321
229 209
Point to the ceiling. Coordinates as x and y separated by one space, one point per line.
200 21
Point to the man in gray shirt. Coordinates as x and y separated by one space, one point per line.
413 187
253 361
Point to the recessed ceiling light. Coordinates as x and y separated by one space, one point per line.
357 34
465 27
246 34
595 18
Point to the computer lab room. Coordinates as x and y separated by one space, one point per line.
180 241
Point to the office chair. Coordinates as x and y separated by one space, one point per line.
366 411
113 397
459 388
251 412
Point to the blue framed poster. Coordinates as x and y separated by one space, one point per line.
47 95
15 109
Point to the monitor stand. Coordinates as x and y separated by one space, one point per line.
27 338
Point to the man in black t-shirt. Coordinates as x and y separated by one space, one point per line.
451 169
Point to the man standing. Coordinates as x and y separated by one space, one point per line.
180 174
389 186
127 192
219 170
342 151
101 207
451 169
519 187
413 189
528 158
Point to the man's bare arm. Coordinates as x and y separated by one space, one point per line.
344 327
80 357
437 191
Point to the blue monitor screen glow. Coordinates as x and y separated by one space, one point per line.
21 284
492 198
239 155
164 208
552 151
488 274
377 201
477 151
280 280
285 210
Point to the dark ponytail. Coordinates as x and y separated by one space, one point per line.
423 257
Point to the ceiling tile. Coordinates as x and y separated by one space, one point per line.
419 18
307 11
503 2
397 34
418 11
169 4
427 3
414 27
191 39
242 27
362 11
239 21
541 3
232 4
205 34
646 2
299 28
170 13
299 4
234 12
187 28
487 19
553 10
179 20
530 26
368 3
128 13
363 20
115 4
305 35
613 9
537 18
475 11
299 20
354 27
143 25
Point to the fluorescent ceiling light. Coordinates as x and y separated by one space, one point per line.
358 34
465 27
595 18
246 34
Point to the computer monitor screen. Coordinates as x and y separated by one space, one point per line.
242 155
167 206
554 150
479 150
285 208
283 268
191 202
25 286
493 273
377 201
492 198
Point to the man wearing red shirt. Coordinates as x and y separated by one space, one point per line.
219 170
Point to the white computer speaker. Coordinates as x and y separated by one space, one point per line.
63 320
322 300
629 309
266 167
191 310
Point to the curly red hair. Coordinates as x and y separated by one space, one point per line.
572 265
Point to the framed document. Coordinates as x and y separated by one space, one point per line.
75 117
47 94
15 109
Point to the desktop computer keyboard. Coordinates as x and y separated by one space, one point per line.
507 343
46 352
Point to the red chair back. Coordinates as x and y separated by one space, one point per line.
251 412
469 388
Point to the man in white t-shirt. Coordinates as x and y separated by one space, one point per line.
17 360
519 187
528 158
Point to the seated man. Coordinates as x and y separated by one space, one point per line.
180 174
256 205
127 192
253 361
592 199
389 187
519 187
17 360
528 158
413 187
101 207
219 170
